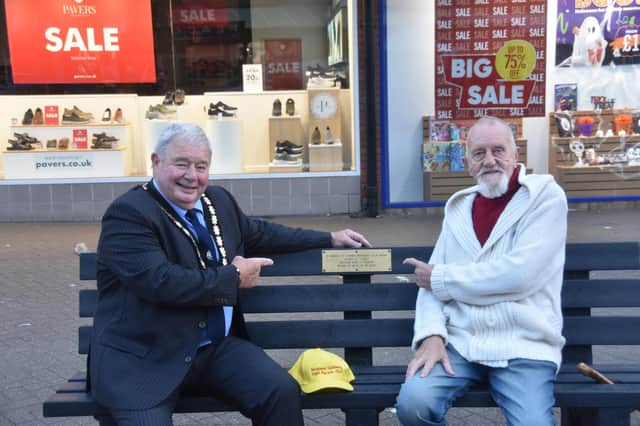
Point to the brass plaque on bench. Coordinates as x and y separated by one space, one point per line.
356 260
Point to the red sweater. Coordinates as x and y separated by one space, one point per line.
486 211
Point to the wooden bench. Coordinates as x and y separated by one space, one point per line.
379 315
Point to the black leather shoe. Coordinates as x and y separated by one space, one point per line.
290 107
223 106
106 116
28 117
214 111
277 108
289 146
168 98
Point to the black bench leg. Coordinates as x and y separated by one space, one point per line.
596 417
105 421
361 417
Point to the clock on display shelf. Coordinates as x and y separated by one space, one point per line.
324 116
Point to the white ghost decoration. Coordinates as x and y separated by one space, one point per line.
588 43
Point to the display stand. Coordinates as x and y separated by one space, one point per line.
286 128
325 157
226 143
285 167
152 130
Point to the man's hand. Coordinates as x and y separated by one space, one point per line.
422 271
250 269
430 352
348 238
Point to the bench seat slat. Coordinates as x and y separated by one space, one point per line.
367 396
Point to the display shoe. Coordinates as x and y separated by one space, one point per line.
290 107
288 146
315 136
215 111
178 97
70 117
38 117
63 143
18 145
52 144
635 125
82 114
328 136
28 117
100 144
118 118
106 115
277 108
223 106
287 158
160 112
168 98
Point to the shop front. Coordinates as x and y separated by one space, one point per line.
562 73
87 86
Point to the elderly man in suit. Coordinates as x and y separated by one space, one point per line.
172 255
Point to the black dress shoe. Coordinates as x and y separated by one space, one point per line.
28 117
106 116
290 107
223 106
216 111
277 108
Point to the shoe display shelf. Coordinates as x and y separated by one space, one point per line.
225 135
287 127
45 132
439 182
610 163
325 157
277 166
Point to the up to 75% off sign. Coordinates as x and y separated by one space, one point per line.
489 81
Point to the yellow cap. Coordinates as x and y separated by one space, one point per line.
317 369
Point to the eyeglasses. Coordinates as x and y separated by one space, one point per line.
497 152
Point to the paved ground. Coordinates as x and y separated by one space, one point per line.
38 307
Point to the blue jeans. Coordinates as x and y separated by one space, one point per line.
523 390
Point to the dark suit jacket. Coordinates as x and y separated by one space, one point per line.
153 292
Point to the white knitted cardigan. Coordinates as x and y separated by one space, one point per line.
500 301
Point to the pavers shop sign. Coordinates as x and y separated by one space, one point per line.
80 41
490 58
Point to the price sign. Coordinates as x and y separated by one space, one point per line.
252 78
516 60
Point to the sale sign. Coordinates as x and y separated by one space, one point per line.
51 115
283 64
200 14
80 41
490 58
80 139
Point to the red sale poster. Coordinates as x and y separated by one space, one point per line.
203 13
490 58
80 41
283 64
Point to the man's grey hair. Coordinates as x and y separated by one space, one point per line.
489 120
186 132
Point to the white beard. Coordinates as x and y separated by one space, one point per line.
488 190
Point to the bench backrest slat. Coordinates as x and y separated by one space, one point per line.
356 298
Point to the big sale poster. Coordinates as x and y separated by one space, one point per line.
80 41
490 58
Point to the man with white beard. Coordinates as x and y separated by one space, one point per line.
488 306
